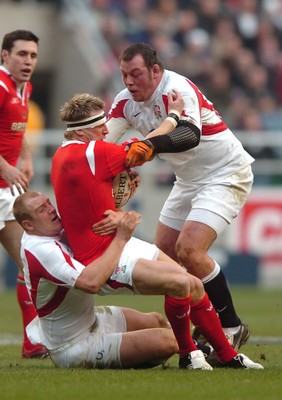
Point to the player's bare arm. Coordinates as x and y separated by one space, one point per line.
94 276
26 161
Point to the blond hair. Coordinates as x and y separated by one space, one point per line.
79 107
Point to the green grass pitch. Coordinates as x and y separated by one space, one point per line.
40 380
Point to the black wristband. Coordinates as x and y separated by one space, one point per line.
174 116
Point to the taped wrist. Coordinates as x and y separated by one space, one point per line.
173 118
184 137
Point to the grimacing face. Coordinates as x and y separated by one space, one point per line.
44 220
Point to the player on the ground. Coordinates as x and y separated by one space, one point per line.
213 177
75 333
19 58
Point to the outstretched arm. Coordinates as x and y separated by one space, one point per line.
184 137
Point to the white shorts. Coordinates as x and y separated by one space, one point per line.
215 204
120 281
97 348
6 206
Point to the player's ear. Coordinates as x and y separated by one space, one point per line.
156 69
27 225
79 133
4 54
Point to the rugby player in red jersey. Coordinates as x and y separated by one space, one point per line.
19 58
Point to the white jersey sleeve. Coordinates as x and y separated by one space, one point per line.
120 124
50 259
50 273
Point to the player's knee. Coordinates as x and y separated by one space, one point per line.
196 289
184 252
189 256
180 284
159 320
169 343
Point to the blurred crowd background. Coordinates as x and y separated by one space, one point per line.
231 49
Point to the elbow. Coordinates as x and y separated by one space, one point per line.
94 287
91 286
196 135
193 140
197 139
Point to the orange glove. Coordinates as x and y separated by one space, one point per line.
139 153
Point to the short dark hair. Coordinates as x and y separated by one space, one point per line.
10 38
149 55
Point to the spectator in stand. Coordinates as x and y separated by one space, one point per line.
209 13
218 88
247 19
135 14
270 113
256 82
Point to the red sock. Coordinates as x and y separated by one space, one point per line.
26 306
178 314
205 318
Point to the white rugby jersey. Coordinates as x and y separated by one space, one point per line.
219 153
50 273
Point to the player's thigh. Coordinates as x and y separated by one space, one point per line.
195 236
105 340
202 202
103 344
224 199
160 277
99 347
137 320
147 345
121 280
166 238
93 351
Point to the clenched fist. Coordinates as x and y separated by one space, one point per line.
139 153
